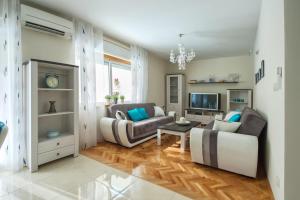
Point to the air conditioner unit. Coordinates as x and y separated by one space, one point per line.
42 21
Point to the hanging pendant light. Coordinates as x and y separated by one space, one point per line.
183 57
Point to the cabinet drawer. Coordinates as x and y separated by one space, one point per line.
56 154
50 145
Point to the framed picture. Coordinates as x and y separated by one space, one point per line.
262 69
256 78
260 74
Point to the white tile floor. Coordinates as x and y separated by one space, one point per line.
79 178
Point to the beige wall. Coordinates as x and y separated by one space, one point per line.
267 100
220 67
156 79
292 99
46 47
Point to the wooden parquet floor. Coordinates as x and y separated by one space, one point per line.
166 166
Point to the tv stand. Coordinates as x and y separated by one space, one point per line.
203 116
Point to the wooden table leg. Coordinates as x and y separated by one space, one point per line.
182 142
158 137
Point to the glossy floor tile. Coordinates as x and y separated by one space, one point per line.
79 178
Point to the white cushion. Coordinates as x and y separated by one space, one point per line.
230 114
158 111
120 115
226 126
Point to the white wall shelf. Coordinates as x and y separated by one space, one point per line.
45 138
40 148
56 89
54 114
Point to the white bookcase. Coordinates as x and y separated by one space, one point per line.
238 99
175 93
40 148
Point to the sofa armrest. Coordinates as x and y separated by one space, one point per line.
3 134
172 114
234 152
109 127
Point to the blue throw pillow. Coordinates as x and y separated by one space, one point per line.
135 115
143 112
235 118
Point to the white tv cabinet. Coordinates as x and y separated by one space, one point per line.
40 148
203 116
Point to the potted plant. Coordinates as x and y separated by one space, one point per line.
115 97
107 98
122 97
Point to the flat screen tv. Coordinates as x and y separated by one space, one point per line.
205 101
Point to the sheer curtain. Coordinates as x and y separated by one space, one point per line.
13 151
139 69
89 51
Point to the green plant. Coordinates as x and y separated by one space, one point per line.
122 97
107 97
115 97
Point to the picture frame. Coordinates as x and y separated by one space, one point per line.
256 78
262 69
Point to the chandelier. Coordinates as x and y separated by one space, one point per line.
183 57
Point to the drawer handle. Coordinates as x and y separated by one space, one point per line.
57 154
58 144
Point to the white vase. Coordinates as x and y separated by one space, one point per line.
107 102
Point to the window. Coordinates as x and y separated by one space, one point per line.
106 76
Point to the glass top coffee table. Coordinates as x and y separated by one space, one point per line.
179 130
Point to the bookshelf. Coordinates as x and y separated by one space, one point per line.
238 99
42 148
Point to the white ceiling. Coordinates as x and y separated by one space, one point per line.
215 28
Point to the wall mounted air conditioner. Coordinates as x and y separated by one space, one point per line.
42 21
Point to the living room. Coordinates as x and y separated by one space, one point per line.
122 100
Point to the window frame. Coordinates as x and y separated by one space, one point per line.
109 61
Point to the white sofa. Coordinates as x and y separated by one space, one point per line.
234 152
128 133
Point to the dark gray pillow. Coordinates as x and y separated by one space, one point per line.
252 123
210 125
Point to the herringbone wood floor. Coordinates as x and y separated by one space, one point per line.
166 166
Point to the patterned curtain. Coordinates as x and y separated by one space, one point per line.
13 151
139 69
87 45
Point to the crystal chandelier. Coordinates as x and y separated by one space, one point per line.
183 57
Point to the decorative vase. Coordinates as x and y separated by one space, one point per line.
107 101
52 107
116 101
122 100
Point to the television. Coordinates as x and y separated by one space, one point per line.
205 101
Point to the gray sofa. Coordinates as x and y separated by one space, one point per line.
128 133
235 152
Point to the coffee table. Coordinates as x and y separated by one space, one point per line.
179 130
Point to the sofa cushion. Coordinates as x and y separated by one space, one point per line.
135 115
231 127
149 126
252 123
143 112
149 107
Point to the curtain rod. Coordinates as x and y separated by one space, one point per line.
124 46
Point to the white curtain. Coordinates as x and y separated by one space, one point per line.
89 51
13 151
139 68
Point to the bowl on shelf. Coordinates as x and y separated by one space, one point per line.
53 133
